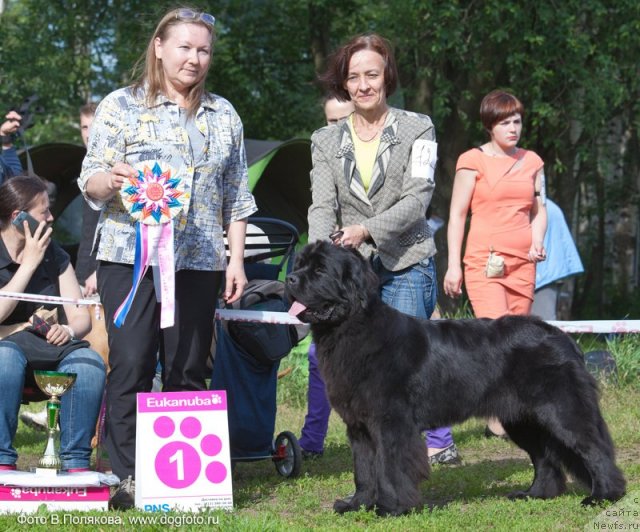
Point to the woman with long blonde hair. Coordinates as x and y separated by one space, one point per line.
166 117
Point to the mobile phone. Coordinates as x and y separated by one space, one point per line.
39 326
21 217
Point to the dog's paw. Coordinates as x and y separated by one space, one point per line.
345 505
518 495
592 502
351 503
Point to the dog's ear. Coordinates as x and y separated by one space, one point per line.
361 281
306 253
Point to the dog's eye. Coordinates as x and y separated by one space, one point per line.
316 269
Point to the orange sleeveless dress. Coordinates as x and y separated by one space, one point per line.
500 218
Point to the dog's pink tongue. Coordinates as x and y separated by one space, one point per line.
296 308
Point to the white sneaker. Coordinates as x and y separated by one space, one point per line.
35 420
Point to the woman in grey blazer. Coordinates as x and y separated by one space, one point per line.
372 181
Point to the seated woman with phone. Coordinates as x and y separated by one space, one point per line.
30 262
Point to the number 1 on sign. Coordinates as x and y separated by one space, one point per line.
178 458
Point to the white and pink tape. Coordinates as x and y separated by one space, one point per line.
282 318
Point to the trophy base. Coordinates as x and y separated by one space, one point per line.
21 500
45 471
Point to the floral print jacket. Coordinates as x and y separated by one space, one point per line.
126 129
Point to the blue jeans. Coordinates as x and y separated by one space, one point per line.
414 291
79 406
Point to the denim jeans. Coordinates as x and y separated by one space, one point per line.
414 291
79 406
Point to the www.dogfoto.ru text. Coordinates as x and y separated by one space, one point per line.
107 519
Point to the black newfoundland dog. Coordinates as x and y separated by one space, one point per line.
389 376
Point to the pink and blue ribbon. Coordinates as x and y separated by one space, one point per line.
153 198
140 265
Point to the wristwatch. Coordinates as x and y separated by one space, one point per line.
6 139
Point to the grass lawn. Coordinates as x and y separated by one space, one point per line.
466 497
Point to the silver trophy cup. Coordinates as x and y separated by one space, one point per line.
54 384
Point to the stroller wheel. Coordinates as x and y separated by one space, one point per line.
287 455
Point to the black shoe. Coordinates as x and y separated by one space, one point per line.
124 497
311 455
448 456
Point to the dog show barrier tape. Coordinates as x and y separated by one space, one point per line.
258 316
598 326
282 318
52 300
589 326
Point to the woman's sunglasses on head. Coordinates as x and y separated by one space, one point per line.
188 14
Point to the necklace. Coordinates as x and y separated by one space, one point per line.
375 132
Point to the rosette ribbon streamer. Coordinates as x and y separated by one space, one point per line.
154 198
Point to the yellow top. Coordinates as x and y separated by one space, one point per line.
365 153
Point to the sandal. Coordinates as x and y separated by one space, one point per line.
448 456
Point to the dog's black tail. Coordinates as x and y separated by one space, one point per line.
590 459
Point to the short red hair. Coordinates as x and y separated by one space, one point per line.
498 105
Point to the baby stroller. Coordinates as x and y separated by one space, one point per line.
247 355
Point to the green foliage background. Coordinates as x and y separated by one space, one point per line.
573 63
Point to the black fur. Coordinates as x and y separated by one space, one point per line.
389 376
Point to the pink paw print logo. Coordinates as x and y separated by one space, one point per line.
16 493
178 463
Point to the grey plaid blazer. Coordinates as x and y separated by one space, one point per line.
393 210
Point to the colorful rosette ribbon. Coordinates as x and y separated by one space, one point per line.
154 198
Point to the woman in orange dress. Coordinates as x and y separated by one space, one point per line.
504 187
